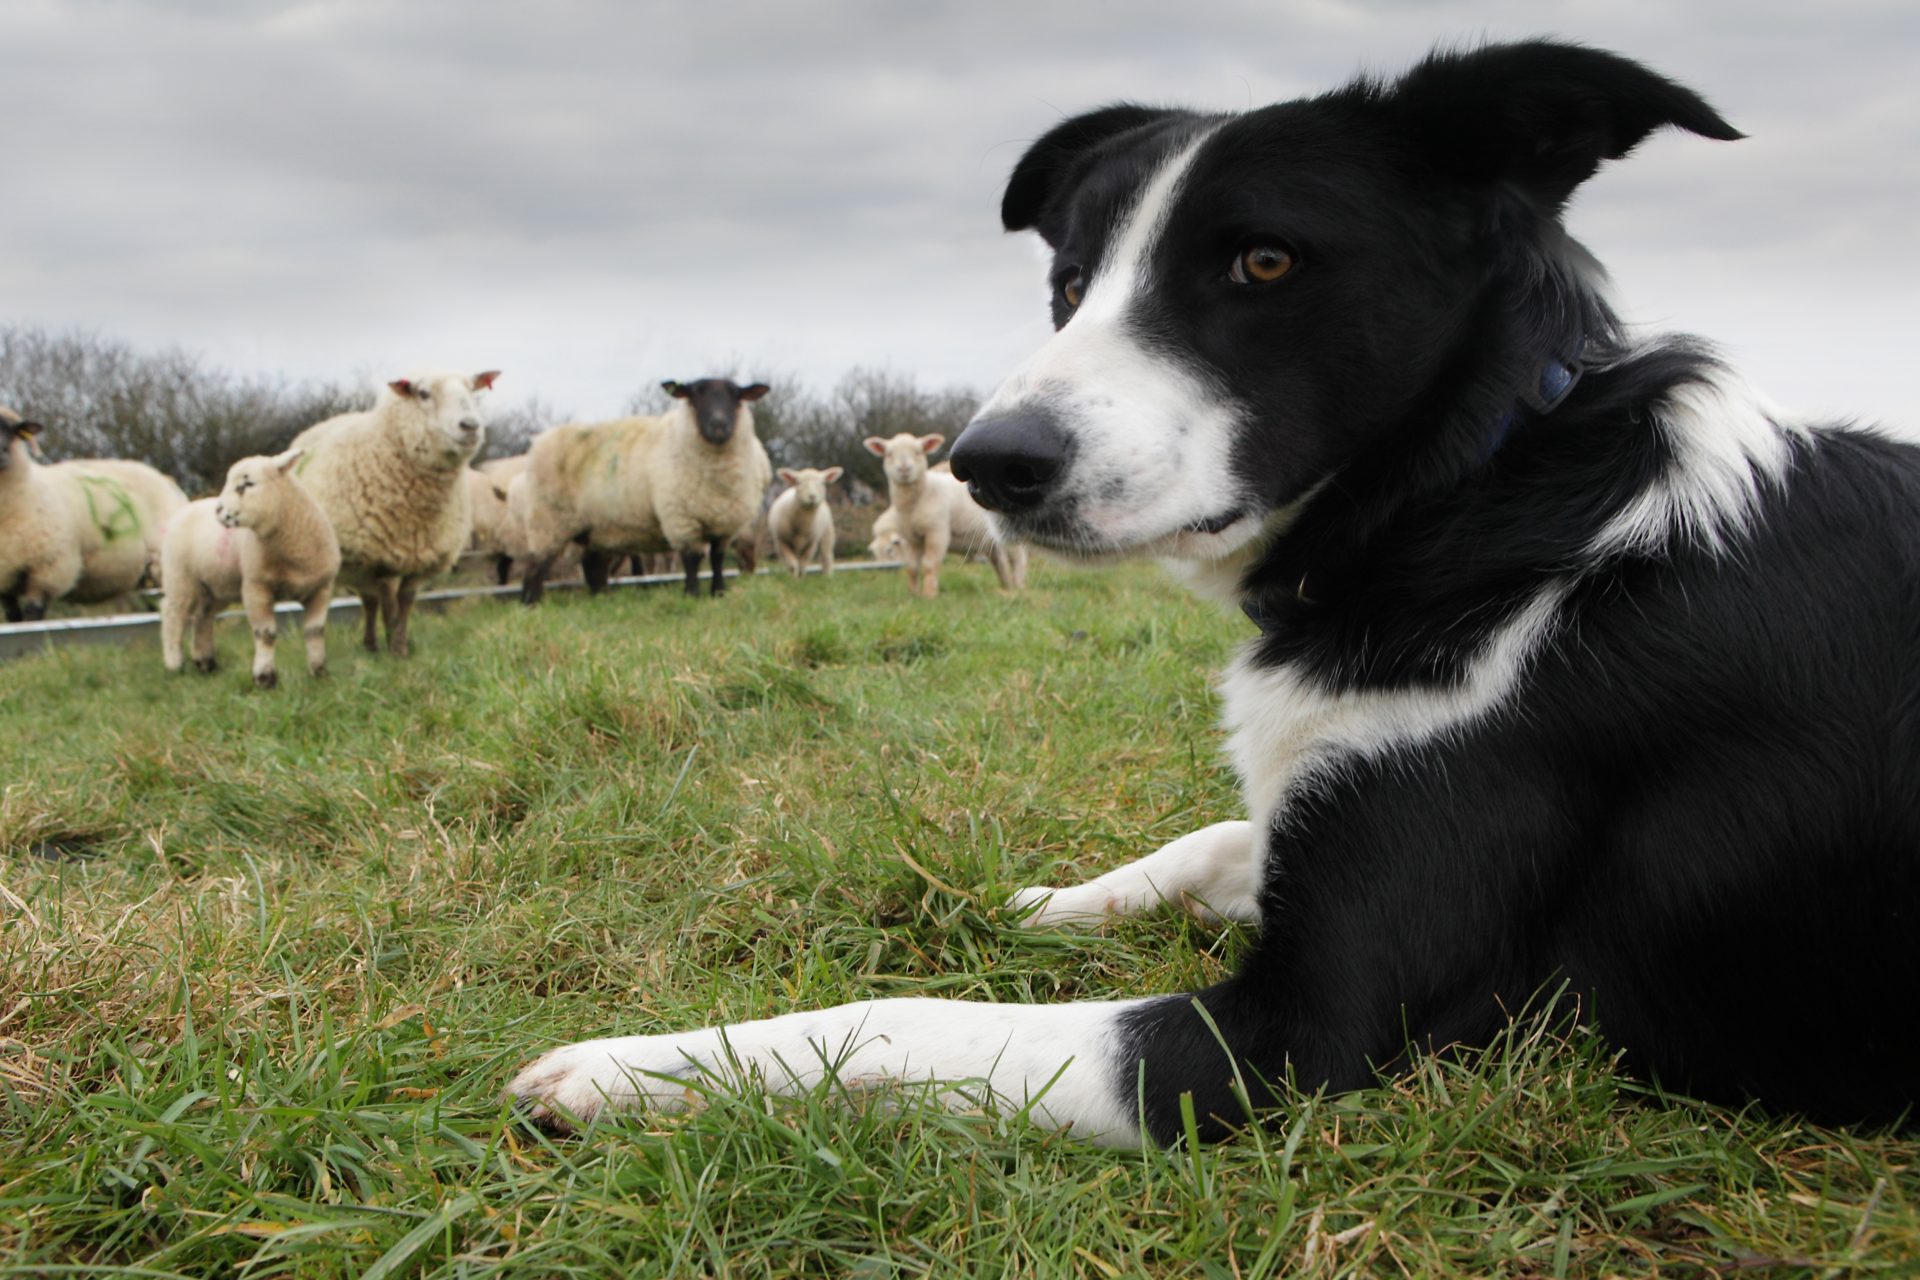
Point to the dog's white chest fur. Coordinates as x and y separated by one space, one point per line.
1286 730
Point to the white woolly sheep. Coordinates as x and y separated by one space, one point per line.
83 531
495 532
888 545
687 480
263 539
933 511
392 480
801 521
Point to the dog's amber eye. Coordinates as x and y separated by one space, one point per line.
1260 264
1072 289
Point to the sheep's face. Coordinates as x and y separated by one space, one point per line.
889 546
443 419
717 404
14 433
810 484
905 455
250 499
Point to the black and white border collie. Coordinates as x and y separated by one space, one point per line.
1576 662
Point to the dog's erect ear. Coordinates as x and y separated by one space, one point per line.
1050 163
1541 115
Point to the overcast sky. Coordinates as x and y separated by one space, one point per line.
593 196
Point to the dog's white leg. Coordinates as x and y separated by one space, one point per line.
1215 873
1063 1055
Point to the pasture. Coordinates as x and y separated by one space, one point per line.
267 958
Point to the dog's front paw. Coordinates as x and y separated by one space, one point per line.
574 1084
1084 906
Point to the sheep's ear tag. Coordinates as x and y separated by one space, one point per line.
402 386
484 381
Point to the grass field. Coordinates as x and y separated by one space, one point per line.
266 960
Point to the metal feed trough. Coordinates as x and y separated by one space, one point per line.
19 639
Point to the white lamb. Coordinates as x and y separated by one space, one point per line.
392 480
888 545
495 532
82 531
688 480
801 521
263 539
933 511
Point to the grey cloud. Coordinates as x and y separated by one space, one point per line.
592 195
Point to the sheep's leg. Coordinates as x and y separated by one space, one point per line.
533 583
930 557
717 549
314 623
403 595
789 559
749 552
32 610
203 612
1002 565
10 603
826 555
690 563
595 567
1017 555
258 602
1215 873
371 591
502 569
175 609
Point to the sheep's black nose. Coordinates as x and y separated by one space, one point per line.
1010 460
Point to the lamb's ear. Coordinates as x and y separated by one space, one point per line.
484 381
1540 115
754 391
786 474
1049 163
929 443
831 474
287 461
876 446
674 389
402 386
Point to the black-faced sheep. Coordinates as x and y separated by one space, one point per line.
687 481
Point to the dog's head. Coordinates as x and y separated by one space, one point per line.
1245 304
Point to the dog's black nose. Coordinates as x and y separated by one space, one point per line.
1009 461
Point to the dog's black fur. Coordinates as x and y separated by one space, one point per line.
1701 807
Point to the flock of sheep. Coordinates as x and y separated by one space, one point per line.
387 498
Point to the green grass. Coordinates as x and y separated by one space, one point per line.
266 960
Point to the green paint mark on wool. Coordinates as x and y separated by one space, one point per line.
110 508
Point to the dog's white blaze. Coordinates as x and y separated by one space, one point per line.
1285 728
1057 1059
1152 441
1727 440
